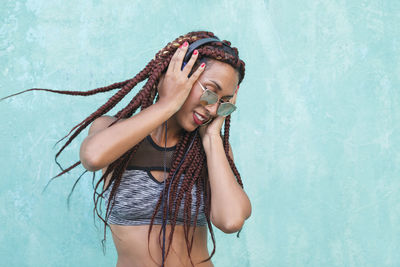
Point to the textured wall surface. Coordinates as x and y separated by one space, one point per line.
316 135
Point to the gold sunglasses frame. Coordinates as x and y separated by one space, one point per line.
225 104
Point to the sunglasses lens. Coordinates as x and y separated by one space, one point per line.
208 98
225 109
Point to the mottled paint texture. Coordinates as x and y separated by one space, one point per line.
315 137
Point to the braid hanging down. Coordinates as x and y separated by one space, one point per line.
195 162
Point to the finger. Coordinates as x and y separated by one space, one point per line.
219 120
173 60
197 73
189 65
179 57
172 63
233 99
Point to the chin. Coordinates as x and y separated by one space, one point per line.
189 126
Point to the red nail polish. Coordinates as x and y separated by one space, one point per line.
202 65
195 52
185 44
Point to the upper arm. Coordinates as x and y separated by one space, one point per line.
100 123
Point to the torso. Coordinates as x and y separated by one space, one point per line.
133 250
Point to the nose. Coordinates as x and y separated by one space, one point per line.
212 109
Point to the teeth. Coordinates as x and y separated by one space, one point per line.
199 117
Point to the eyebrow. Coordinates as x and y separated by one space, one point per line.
219 88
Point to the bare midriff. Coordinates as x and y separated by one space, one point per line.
134 250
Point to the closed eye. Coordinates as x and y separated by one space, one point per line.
223 99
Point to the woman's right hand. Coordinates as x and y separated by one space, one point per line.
174 86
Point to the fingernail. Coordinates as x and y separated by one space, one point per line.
202 65
181 46
195 52
237 87
185 44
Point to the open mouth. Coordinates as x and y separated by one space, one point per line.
199 119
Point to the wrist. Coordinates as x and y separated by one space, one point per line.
210 140
168 106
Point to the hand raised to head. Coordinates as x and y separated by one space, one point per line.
174 87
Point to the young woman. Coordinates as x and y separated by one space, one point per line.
168 171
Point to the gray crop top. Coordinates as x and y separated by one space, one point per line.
139 191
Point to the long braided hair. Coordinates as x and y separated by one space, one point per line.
193 165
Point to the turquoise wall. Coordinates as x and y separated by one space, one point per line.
316 135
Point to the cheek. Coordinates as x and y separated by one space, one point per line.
185 109
192 101
185 113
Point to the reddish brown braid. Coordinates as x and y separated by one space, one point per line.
188 203
226 148
192 164
186 188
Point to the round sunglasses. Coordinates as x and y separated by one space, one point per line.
210 98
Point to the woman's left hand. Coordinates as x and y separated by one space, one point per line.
214 127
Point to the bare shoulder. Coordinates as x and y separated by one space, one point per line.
101 123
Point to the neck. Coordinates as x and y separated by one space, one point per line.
174 132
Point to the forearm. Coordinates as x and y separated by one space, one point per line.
230 205
107 145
